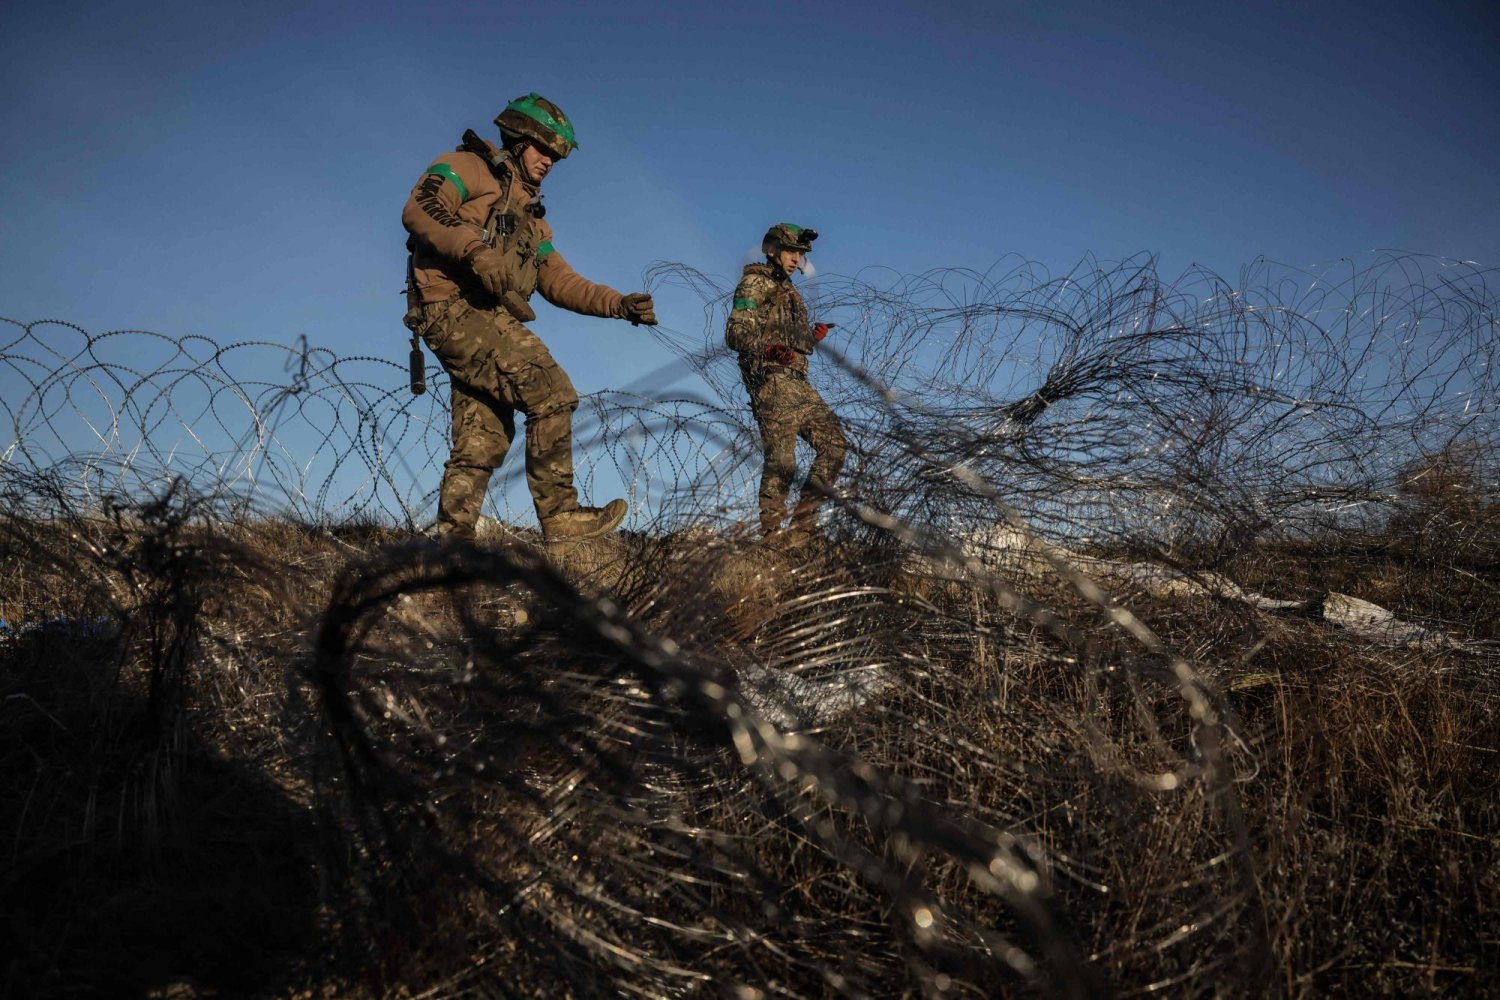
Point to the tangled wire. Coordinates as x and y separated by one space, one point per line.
964 745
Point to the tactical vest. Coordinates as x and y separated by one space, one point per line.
787 321
512 231
799 336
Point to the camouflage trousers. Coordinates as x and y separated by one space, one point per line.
499 367
786 408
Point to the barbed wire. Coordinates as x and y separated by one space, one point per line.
982 738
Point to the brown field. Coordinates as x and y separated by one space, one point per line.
260 759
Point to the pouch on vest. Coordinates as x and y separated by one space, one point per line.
514 236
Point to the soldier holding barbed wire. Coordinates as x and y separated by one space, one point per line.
770 329
480 248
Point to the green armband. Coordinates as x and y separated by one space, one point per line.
748 304
447 173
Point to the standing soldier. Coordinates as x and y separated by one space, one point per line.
479 248
770 329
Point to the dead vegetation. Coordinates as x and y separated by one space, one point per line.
373 777
1011 728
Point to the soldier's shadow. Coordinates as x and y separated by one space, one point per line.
138 864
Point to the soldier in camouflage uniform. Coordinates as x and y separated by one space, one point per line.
479 249
770 329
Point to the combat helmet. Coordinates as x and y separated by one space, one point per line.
535 118
785 236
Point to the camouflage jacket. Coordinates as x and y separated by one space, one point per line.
768 310
460 204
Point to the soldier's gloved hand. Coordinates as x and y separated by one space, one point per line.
488 266
820 330
780 354
638 308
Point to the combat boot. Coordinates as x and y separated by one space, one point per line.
584 522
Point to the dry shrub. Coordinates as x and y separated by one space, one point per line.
274 742
517 788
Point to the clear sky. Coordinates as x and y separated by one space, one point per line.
237 170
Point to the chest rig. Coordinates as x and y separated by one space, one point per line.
787 320
796 326
509 228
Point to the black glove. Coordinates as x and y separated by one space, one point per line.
638 308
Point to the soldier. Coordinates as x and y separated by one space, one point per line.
770 329
479 248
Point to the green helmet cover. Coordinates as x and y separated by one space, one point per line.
787 236
535 117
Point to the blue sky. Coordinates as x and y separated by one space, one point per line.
237 170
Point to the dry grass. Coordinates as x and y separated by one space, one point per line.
207 836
